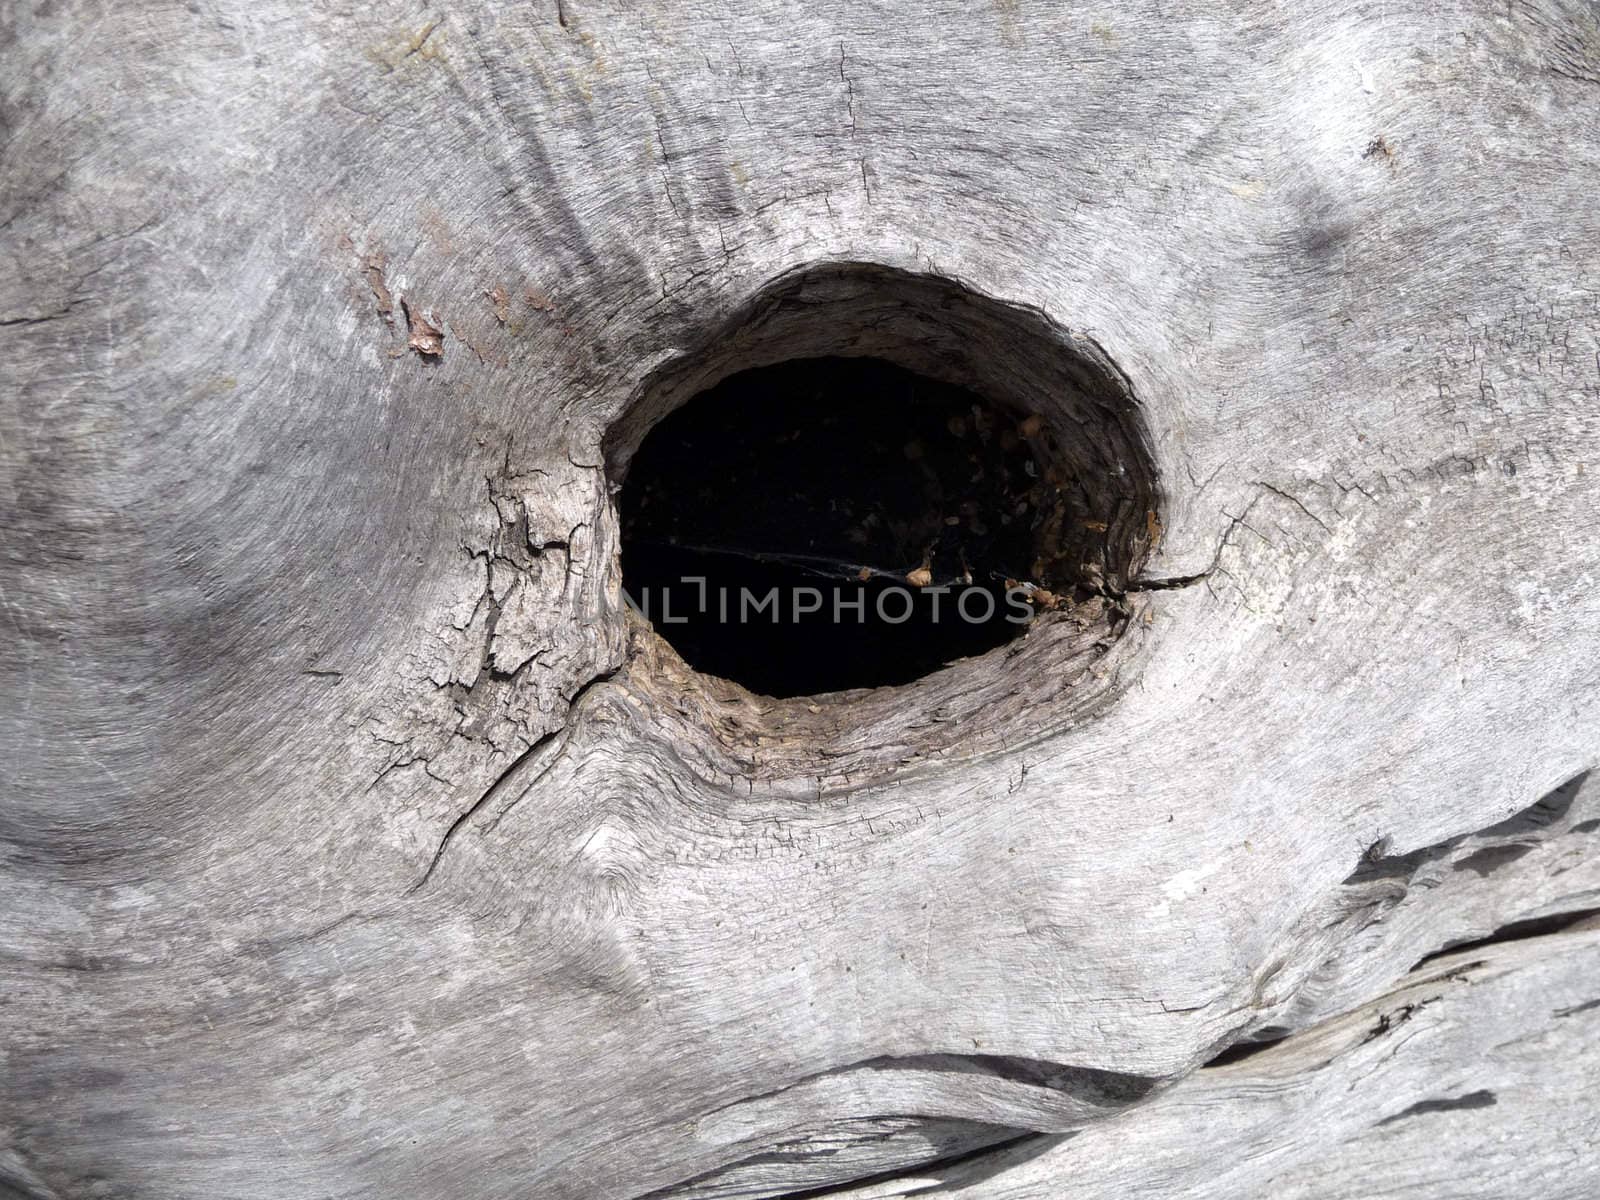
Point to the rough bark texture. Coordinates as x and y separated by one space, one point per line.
357 842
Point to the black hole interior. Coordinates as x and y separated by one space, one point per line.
903 510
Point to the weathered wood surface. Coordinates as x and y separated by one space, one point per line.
355 841
1473 1079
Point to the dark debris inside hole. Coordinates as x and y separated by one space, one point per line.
902 523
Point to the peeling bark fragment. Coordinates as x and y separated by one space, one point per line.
501 302
372 266
427 339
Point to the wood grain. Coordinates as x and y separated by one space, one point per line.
355 841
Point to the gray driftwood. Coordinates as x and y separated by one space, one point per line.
356 841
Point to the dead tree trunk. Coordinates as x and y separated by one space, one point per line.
358 840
